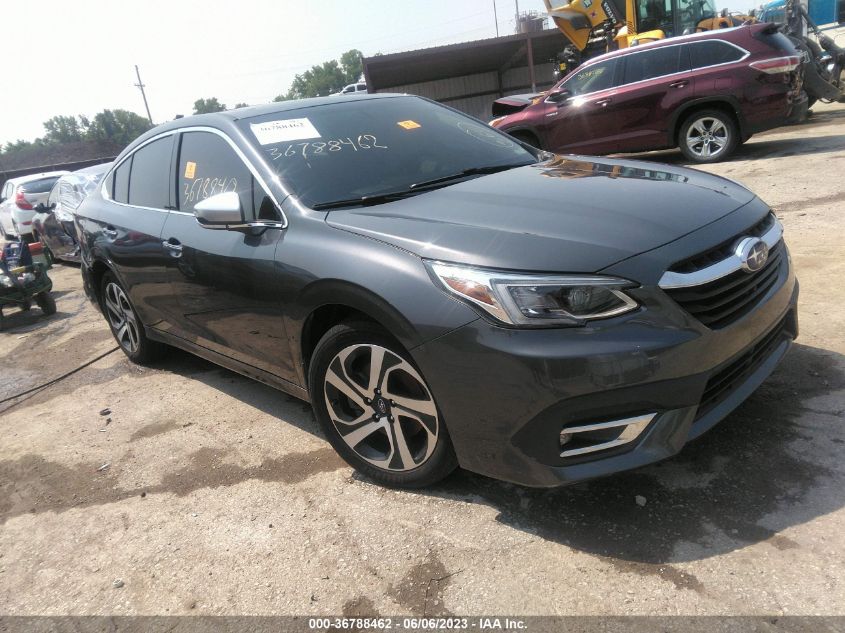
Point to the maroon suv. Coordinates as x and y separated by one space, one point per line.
704 93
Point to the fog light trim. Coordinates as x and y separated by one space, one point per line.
633 428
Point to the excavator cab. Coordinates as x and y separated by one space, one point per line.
657 19
596 26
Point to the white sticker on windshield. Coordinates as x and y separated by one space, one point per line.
283 130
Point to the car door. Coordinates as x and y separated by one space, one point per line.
49 226
6 202
655 84
226 289
129 221
583 122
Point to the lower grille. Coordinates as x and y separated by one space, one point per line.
721 302
723 382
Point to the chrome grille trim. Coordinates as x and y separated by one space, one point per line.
729 265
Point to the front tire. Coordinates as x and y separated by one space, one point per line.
46 302
376 409
708 136
124 323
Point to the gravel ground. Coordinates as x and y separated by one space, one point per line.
202 492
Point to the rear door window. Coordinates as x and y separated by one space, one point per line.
591 79
666 60
149 180
712 53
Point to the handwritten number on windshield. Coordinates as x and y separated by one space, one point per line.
362 143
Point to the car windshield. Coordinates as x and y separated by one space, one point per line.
368 147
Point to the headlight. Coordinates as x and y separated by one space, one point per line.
536 300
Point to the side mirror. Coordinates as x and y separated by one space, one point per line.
558 96
44 208
222 211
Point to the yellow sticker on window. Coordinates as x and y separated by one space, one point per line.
408 125
190 170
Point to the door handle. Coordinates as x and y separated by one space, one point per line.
110 233
173 246
602 102
679 84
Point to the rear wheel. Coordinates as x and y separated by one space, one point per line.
708 136
125 325
46 302
376 408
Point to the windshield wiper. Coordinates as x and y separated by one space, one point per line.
377 198
380 198
472 171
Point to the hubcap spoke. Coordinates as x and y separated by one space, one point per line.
425 407
359 435
401 444
376 365
343 386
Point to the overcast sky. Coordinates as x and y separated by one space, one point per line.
79 57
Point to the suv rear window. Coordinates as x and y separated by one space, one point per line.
712 52
39 186
666 60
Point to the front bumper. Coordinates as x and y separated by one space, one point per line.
507 394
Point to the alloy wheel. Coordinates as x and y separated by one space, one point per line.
707 137
121 318
381 407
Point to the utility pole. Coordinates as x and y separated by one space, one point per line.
140 85
496 17
516 20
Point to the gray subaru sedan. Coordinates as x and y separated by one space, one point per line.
441 293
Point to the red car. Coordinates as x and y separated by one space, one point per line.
704 93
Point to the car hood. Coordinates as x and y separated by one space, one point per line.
567 214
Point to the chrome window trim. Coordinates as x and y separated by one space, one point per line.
727 266
746 55
196 128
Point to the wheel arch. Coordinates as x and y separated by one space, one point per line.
727 104
327 303
525 134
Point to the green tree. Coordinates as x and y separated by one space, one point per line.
204 106
325 78
120 126
351 64
241 105
17 145
63 129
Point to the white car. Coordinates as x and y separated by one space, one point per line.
351 89
19 199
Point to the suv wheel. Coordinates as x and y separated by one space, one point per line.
125 325
376 409
708 136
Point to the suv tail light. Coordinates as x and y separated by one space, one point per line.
22 202
777 65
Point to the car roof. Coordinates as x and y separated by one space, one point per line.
669 41
238 114
20 180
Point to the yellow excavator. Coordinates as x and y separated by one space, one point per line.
597 26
